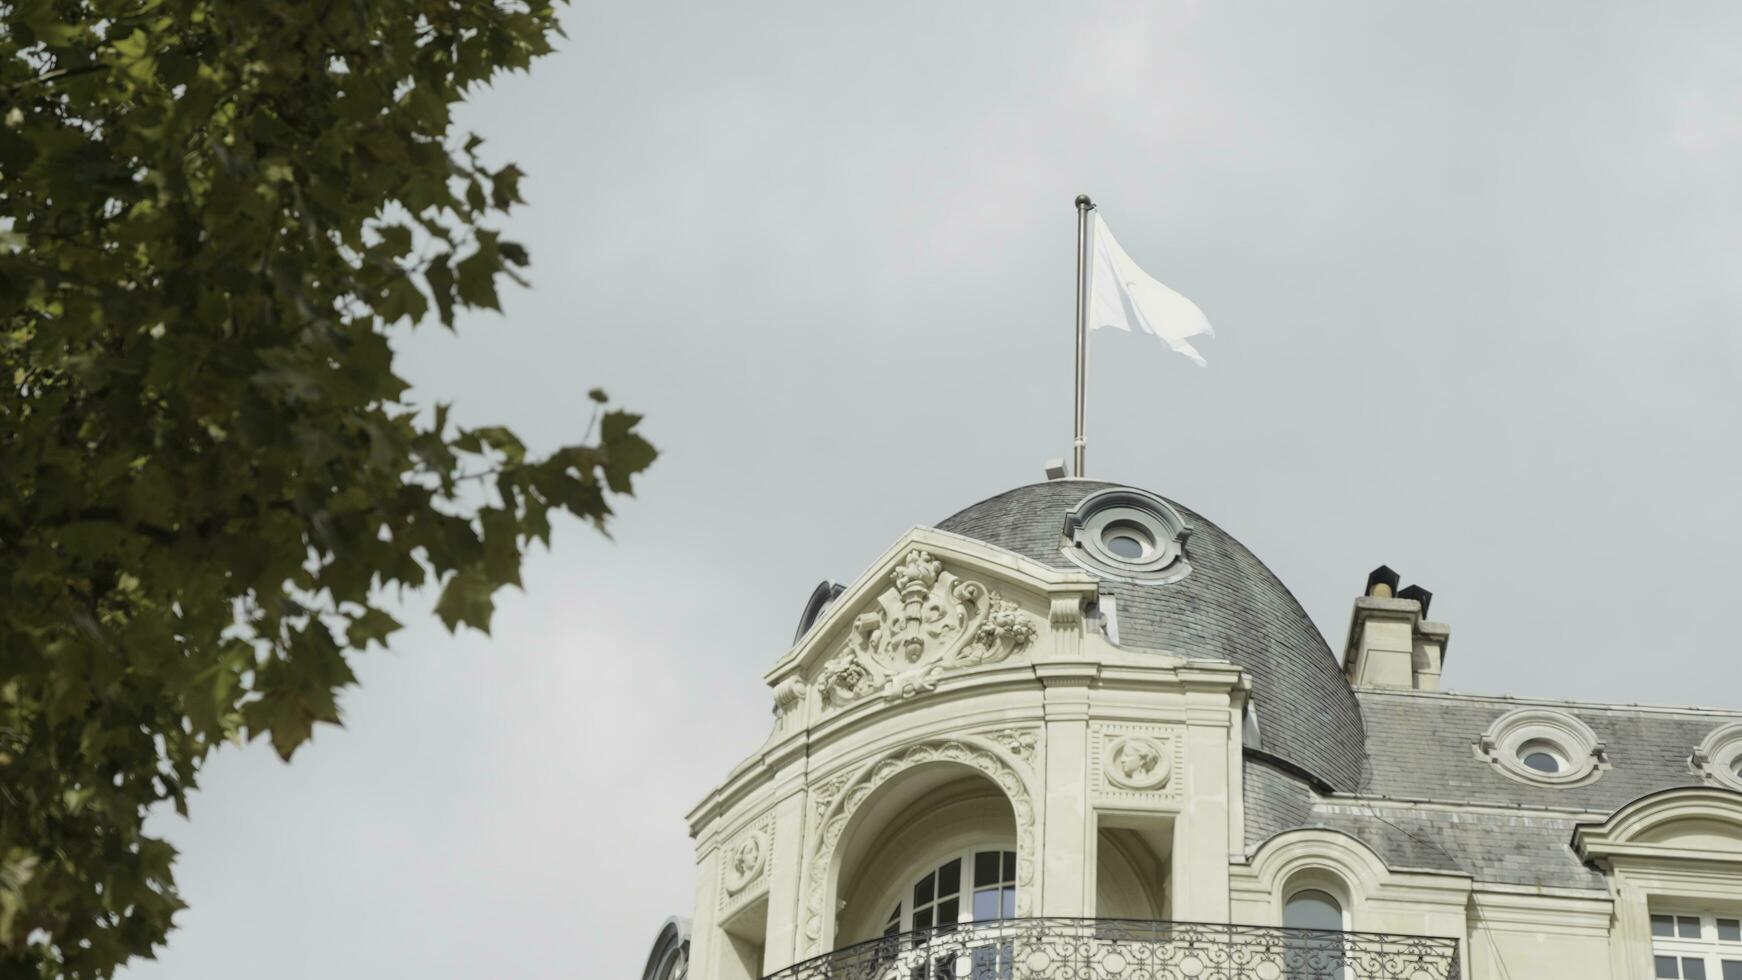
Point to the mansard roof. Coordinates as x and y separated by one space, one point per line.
1421 746
1429 801
1230 607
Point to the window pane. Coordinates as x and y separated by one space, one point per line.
922 920
1312 909
1666 968
1693 969
1009 865
1009 902
1543 762
1732 970
1663 925
922 892
985 868
950 878
1687 926
949 911
1730 930
985 904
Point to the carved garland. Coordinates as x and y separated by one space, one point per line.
929 623
833 819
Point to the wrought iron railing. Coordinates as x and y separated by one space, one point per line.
1131 949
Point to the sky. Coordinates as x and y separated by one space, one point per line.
1474 275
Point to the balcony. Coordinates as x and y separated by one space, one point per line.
1130 949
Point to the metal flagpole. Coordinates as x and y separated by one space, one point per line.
1084 206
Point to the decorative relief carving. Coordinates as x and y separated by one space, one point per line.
1019 742
1135 764
788 695
744 864
823 794
832 821
929 623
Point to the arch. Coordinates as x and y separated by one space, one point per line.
919 820
836 816
1326 860
669 959
1701 823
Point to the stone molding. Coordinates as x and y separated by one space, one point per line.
834 811
1643 829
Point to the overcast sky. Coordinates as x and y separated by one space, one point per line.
1475 277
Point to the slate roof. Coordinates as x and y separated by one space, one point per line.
1231 607
1420 748
1521 848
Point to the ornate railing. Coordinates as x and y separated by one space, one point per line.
1131 949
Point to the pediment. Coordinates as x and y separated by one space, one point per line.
1699 823
934 605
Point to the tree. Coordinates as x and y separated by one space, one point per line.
211 481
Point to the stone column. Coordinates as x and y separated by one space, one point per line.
1065 878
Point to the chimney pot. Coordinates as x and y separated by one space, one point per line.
1382 582
1420 595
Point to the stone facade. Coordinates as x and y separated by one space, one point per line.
1186 748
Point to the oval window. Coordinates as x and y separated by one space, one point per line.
1128 540
1542 756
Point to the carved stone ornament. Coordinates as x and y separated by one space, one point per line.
927 624
744 865
833 819
1137 763
823 794
1019 742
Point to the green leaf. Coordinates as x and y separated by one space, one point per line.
215 218
466 601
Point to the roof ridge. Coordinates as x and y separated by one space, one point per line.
1646 708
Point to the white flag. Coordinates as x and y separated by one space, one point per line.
1123 296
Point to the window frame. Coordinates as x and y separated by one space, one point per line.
1713 952
899 899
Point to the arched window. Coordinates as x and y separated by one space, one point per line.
1312 908
970 886
1319 954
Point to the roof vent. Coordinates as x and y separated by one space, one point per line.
1055 469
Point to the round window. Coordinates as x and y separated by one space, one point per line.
1128 536
1542 756
1128 540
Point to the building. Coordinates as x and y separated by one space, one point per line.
1078 731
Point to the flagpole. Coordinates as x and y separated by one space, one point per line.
1084 206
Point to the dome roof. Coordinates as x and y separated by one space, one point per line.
1230 607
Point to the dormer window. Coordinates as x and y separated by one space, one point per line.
1544 746
1127 535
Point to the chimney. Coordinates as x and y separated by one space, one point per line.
1391 642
